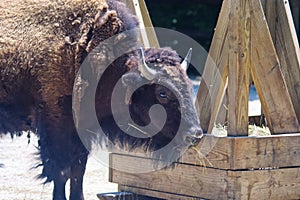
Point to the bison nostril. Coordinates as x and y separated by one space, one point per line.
199 133
196 132
194 136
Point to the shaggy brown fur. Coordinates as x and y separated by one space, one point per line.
33 37
42 44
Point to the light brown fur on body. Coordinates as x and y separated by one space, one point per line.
47 41
42 45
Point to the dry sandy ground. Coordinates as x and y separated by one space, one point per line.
17 178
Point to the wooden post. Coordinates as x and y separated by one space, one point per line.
239 68
280 20
267 76
211 89
148 35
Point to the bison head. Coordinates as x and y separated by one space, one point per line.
144 100
159 99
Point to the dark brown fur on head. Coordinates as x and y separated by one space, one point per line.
171 88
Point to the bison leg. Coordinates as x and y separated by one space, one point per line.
77 172
59 188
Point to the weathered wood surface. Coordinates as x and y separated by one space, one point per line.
267 76
242 40
280 21
148 35
246 152
240 153
211 89
186 179
195 182
274 184
239 67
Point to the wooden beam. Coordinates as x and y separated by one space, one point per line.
222 115
271 16
275 184
239 67
246 152
196 182
284 35
147 32
214 76
236 153
267 76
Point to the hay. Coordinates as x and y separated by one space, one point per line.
253 131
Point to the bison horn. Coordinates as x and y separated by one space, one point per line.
146 71
185 63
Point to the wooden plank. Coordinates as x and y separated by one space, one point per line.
184 179
266 73
214 76
268 184
222 115
212 152
148 35
240 153
194 182
257 184
266 152
271 16
239 68
246 152
287 47
152 39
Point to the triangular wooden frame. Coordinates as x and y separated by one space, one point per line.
242 44
147 32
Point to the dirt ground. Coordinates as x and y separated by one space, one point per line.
17 177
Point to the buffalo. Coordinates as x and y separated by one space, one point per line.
44 43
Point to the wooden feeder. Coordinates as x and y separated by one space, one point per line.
254 41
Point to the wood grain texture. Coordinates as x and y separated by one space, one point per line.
153 42
184 180
267 184
239 153
222 115
267 76
147 32
195 182
214 76
246 152
212 152
284 35
239 68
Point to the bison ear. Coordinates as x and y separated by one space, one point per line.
128 81
131 78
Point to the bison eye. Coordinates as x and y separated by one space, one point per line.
163 95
